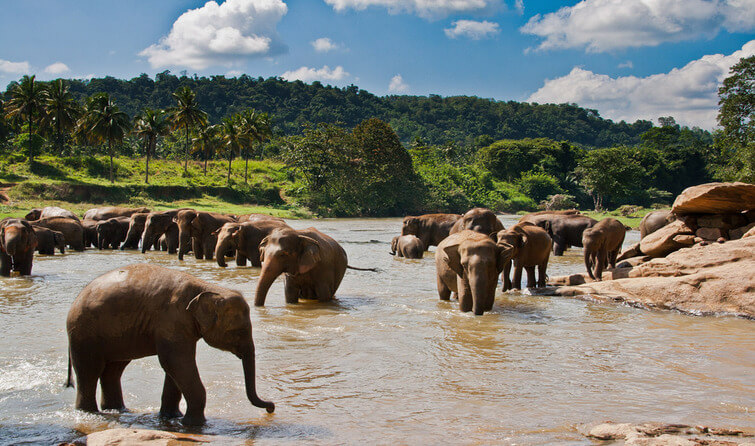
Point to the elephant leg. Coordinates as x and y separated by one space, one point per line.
88 371
559 246
25 263
171 399
179 363
196 246
465 295
531 277
443 291
209 248
241 259
541 274
517 282
291 291
601 263
612 257
110 384
506 276
324 291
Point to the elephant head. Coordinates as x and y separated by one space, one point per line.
17 237
224 323
228 239
34 214
60 241
514 237
480 220
410 226
156 224
187 222
135 230
478 261
284 251
394 245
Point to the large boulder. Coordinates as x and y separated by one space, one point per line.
667 239
715 278
124 437
715 198
666 434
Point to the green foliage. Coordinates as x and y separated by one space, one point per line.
736 116
30 143
558 202
538 185
612 174
507 159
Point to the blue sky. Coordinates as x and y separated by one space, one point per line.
629 59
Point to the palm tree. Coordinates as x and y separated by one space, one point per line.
187 114
256 128
27 99
105 122
233 138
150 125
61 110
207 142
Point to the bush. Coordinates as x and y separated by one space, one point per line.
538 185
558 202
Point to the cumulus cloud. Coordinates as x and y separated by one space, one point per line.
605 25
472 29
689 94
398 85
429 9
307 74
57 68
9 67
627 64
234 73
324 44
220 34
519 6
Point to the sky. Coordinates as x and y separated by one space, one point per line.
629 59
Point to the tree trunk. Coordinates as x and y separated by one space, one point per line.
31 153
146 169
205 165
229 168
60 138
110 152
186 152
246 169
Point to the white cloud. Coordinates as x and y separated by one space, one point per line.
307 74
220 34
689 94
519 6
57 68
472 29
398 85
428 9
605 25
234 73
627 64
324 44
9 67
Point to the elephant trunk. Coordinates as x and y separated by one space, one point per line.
270 271
221 248
12 245
147 240
184 244
478 284
248 362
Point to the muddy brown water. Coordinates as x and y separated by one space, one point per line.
390 363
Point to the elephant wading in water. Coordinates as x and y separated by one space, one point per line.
566 231
480 220
112 212
313 264
17 245
245 238
135 230
157 225
531 248
602 244
195 232
48 240
143 310
468 263
408 246
431 229
49 212
72 230
111 232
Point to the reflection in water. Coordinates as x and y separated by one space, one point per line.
389 362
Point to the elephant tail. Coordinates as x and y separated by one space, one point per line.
374 270
69 380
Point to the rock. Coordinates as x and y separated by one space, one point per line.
699 280
721 240
633 261
663 434
715 198
750 233
709 234
632 251
724 221
661 242
737 233
124 437
684 239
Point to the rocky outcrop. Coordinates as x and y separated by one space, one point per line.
673 236
715 198
665 434
704 279
124 437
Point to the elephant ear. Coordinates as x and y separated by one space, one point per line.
394 245
262 246
504 253
522 238
310 255
453 258
204 308
196 222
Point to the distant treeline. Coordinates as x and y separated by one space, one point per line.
460 120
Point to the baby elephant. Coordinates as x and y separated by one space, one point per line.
602 244
531 248
408 246
143 310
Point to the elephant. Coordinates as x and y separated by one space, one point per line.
197 227
72 230
143 310
431 229
48 240
158 224
602 244
135 230
565 230
255 217
90 232
112 212
480 220
531 248
50 211
408 246
245 238
17 245
654 221
468 263
112 232
537 217
314 265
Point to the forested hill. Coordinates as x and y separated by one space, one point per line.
436 120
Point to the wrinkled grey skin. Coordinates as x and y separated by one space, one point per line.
244 239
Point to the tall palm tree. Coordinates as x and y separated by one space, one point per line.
233 138
186 114
27 100
207 142
61 110
256 128
150 125
106 123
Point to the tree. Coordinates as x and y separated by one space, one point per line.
27 100
233 138
106 123
737 118
256 128
188 115
207 143
150 125
609 173
61 110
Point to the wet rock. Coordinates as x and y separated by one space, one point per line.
715 198
123 437
750 233
726 221
663 434
662 242
710 234
737 233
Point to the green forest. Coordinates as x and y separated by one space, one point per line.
347 152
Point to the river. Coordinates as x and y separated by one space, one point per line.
389 362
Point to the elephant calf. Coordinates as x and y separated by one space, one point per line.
111 232
17 245
408 246
431 229
245 238
531 248
143 310
602 244
48 240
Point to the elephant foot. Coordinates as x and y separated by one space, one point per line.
170 413
193 420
